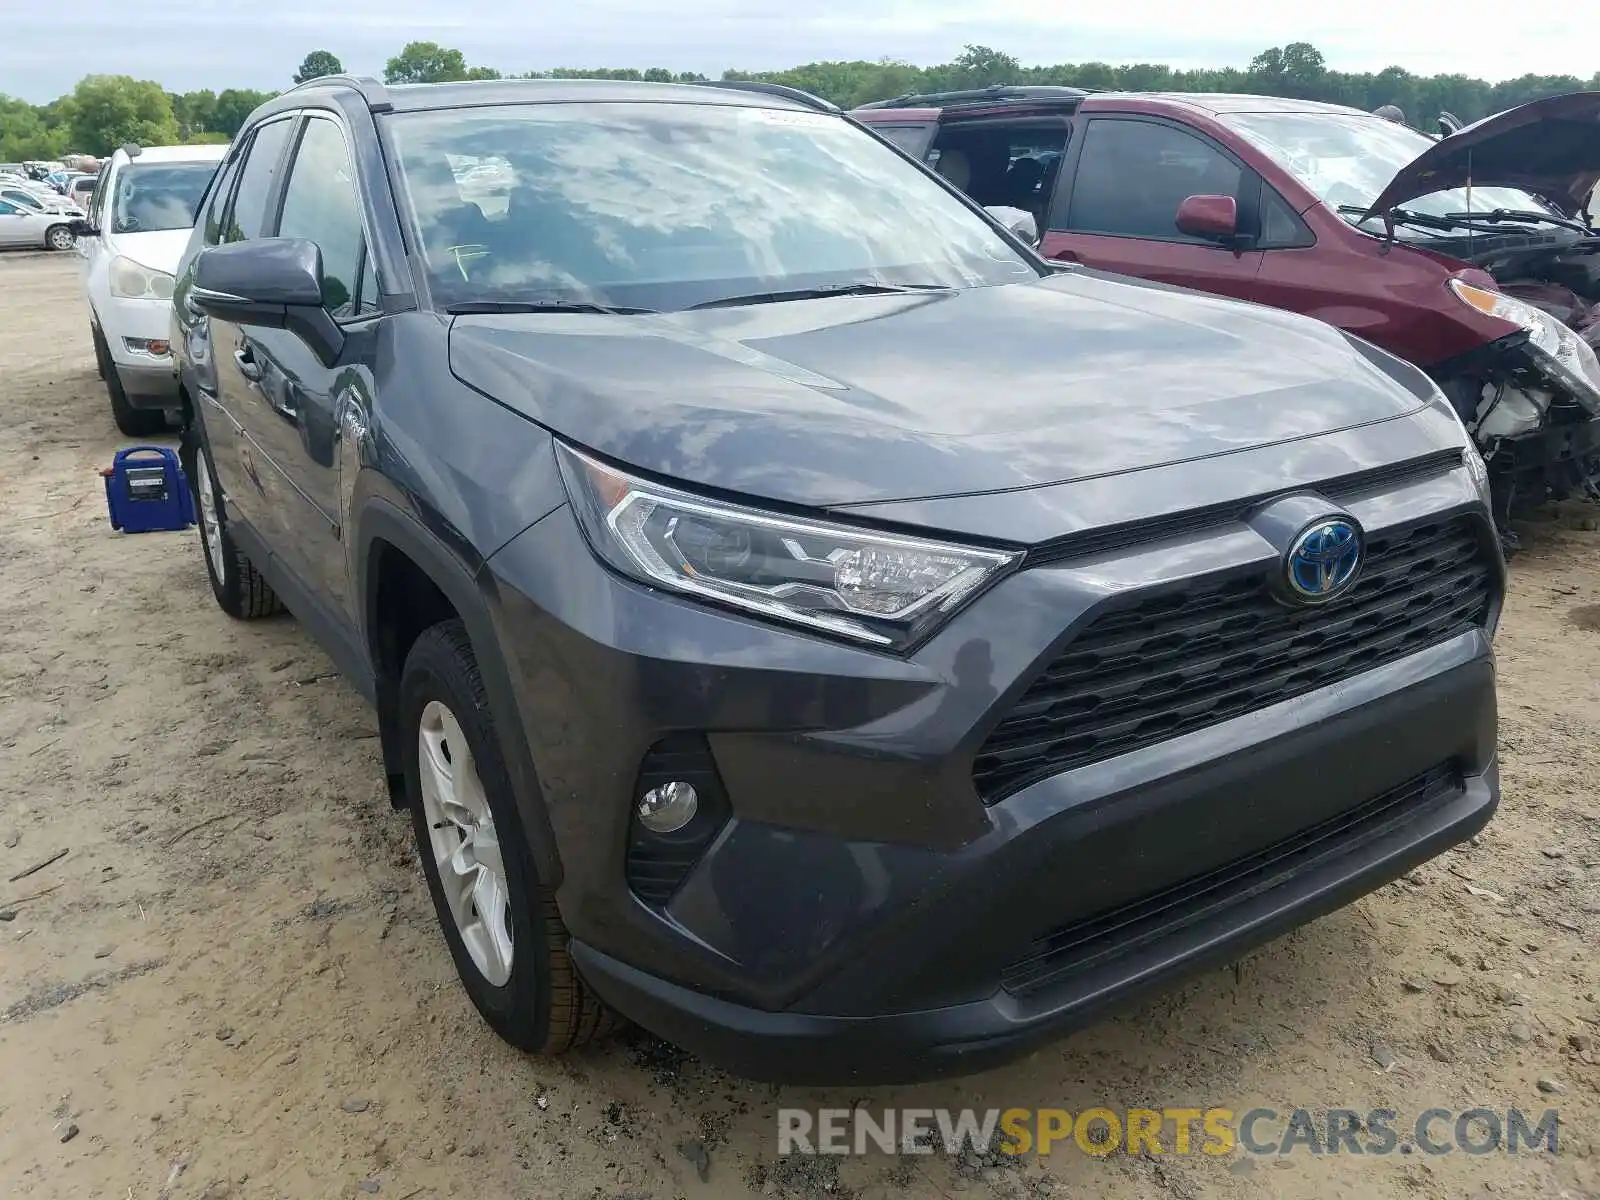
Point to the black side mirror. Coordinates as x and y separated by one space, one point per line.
270 282
81 227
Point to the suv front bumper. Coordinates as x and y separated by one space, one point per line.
862 915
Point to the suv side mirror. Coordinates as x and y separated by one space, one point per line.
270 282
81 227
1018 220
1215 218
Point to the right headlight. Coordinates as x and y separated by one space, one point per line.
1568 359
882 589
132 281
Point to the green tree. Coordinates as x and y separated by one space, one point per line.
110 110
233 106
425 62
980 66
27 132
196 111
317 64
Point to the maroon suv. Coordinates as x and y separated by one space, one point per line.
1468 255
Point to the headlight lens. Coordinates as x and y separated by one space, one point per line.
1566 356
131 281
882 589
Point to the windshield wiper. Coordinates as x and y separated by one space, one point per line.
864 288
480 307
1403 216
1522 216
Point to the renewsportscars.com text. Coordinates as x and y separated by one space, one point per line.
1181 1131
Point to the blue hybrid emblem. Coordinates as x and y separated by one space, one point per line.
1323 561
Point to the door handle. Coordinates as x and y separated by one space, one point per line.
248 366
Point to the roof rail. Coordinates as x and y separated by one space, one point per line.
782 91
997 91
371 89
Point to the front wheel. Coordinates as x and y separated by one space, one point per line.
131 421
502 926
59 237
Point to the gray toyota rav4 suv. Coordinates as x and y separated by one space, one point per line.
799 618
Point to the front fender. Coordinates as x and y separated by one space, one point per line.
458 573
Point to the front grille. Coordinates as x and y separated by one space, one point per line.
1080 945
1168 663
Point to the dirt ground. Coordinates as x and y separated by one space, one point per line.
231 983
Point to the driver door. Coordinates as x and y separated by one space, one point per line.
15 227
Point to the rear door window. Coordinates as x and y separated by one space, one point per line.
1133 175
217 201
258 182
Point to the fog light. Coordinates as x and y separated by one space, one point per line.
668 807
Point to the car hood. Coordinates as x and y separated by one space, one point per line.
1551 147
158 249
849 400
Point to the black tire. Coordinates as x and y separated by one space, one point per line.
133 422
100 354
241 590
59 238
543 1007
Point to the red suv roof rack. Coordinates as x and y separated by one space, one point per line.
987 95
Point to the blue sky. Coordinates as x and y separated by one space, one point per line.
188 44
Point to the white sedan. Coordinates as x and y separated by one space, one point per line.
24 196
26 227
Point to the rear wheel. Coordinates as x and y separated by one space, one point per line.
240 589
502 926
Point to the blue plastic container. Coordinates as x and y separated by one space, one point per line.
147 491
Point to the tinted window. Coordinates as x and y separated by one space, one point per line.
249 211
97 198
154 196
913 139
665 205
8 209
1134 174
320 205
217 201
1280 225
21 199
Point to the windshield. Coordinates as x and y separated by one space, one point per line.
1348 159
152 196
664 206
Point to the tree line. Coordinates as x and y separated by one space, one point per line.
104 111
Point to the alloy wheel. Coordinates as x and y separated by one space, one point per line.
465 845
210 522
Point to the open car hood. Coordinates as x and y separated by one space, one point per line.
1550 147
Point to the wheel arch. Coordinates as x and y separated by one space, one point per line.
407 579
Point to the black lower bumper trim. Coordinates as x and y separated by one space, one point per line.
819 1050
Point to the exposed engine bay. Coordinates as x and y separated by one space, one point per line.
1531 399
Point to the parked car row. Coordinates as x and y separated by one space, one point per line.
34 215
799 615
1469 255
